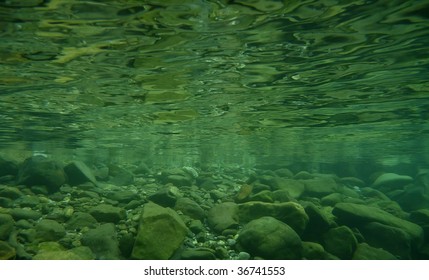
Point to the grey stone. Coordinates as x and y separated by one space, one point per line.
103 242
270 238
161 233
107 213
223 216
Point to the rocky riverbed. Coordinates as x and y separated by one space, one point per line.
74 210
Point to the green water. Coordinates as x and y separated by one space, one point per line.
216 83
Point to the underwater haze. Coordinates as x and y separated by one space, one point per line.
224 94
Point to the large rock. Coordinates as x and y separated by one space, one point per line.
161 232
7 252
7 167
366 252
341 242
190 208
49 230
290 213
320 186
391 239
295 188
6 226
78 172
319 222
390 181
223 216
39 170
107 213
10 192
80 220
103 242
166 197
270 238
359 215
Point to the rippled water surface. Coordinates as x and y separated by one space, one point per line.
216 82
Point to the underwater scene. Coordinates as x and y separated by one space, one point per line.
214 129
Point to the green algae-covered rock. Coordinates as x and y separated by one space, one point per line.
341 242
103 242
320 186
291 213
223 216
270 238
49 230
7 252
107 213
6 226
358 215
366 252
161 232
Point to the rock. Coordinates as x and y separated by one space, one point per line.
244 256
223 216
6 226
190 208
196 226
341 242
392 239
357 215
319 222
103 242
366 252
106 213
264 196
27 214
391 181
290 213
7 252
5 202
30 201
295 188
123 196
303 175
39 170
78 173
161 232
352 182
177 177
10 192
54 251
270 238
313 251
332 199
120 176
49 230
8 167
244 193
320 186
166 197
284 172
411 199
197 254
80 220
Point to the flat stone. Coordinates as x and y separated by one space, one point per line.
358 215
161 233
80 220
395 180
107 213
341 242
320 186
78 172
295 188
366 252
223 216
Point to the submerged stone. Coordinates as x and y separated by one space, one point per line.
270 238
223 216
103 242
161 232
78 172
